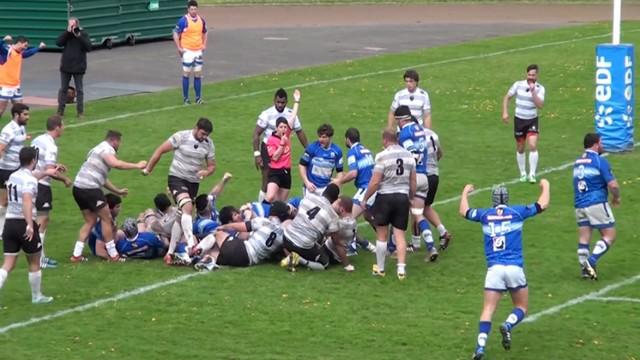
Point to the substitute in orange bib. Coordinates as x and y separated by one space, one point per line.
11 56
190 37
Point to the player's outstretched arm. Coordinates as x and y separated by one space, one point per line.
543 199
464 200
116 163
155 157
114 189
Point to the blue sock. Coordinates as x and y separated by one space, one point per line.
185 87
391 245
599 249
484 329
181 247
514 318
425 230
197 86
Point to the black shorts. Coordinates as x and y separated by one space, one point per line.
4 177
521 127
313 254
392 209
433 189
89 199
44 200
179 186
233 253
264 154
14 241
281 177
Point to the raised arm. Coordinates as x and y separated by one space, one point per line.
464 200
543 199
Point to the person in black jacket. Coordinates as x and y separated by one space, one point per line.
75 43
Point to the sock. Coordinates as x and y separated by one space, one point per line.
415 241
442 230
261 196
360 241
599 250
521 163
207 243
533 162
77 249
401 268
3 214
583 253
42 255
514 318
484 328
313 265
181 247
185 87
3 277
111 248
264 201
381 252
197 86
176 234
423 225
187 228
35 279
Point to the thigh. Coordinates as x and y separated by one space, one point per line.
179 186
495 279
382 210
515 278
433 181
77 79
400 215
44 198
233 252
12 235
422 186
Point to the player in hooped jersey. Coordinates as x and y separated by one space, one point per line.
87 192
190 37
48 158
21 230
319 160
592 182
502 228
415 98
191 148
12 138
266 125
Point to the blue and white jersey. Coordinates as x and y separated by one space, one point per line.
502 228
203 227
591 173
146 245
295 201
260 209
320 163
361 159
413 138
96 234
214 209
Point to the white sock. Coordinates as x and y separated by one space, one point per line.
187 229
3 277
77 249
42 255
522 165
415 241
207 243
176 234
261 196
381 253
583 255
533 162
111 248
3 215
401 268
35 279
314 265
442 230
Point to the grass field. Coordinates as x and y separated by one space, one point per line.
267 313
373 2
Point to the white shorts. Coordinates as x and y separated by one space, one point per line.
505 277
192 60
422 185
597 216
319 191
12 93
359 196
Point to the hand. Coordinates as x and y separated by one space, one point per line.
123 192
349 268
310 187
28 234
296 95
615 202
259 163
468 188
8 39
145 172
180 51
51 172
61 168
28 137
544 183
202 174
141 164
227 176
68 182
42 45
505 117
532 87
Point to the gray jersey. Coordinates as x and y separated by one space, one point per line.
47 154
162 223
267 121
265 239
19 183
93 173
189 154
315 219
13 137
525 107
417 101
395 163
433 145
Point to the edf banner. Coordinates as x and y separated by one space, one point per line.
614 111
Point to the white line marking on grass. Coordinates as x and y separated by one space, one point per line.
622 299
579 300
275 38
346 78
121 296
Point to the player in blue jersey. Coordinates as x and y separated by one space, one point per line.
139 245
361 162
412 137
502 227
319 160
96 240
592 182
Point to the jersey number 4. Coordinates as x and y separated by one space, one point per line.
311 214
